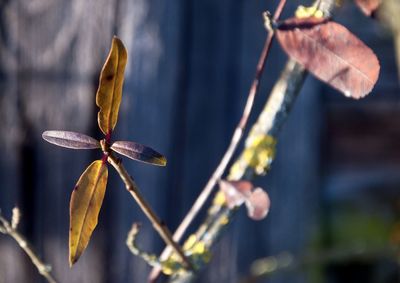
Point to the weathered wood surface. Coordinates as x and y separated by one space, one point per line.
190 66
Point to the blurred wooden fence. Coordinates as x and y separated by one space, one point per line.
190 67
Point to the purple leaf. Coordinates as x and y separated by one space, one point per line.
70 140
332 53
139 152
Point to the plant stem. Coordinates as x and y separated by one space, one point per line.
151 259
269 123
158 225
271 119
8 229
236 138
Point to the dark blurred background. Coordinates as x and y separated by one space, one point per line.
334 185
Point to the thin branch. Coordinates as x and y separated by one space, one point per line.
270 121
236 138
10 229
267 126
158 225
151 259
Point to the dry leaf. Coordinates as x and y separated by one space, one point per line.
368 7
332 53
70 139
139 152
86 200
109 93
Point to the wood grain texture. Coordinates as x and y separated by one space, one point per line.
193 62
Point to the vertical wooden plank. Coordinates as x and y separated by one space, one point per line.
53 50
216 92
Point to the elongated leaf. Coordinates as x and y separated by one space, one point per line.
139 152
109 93
332 53
70 140
86 200
368 7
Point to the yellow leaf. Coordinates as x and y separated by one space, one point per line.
86 200
109 93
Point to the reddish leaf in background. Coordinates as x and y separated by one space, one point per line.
368 7
332 53
258 204
236 193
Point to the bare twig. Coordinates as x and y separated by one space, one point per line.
237 136
267 126
271 119
151 259
158 225
10 229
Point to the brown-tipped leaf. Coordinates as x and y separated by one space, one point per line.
368 7
109 93
258 204
86 200
332 53
139 152
70 140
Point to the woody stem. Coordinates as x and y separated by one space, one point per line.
158 225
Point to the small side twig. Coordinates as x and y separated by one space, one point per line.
10 229
158 225
236 138
151 259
